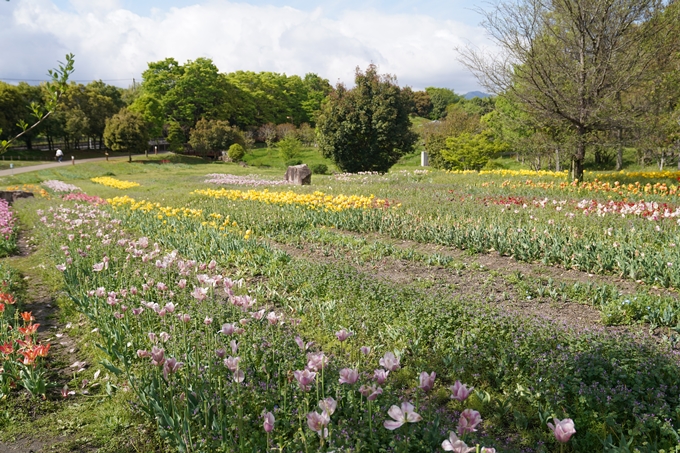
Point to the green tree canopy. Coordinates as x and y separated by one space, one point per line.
441 98
214 135
127 131
366 128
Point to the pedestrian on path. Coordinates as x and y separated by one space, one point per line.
59 155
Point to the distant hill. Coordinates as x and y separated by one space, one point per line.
476 94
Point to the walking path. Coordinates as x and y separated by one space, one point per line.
16 171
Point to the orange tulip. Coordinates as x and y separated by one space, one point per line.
42 350
7 348
29 356
2 307
7 298
29 330
27 316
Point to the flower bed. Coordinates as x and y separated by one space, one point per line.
249 180
115 183
317 200
60 186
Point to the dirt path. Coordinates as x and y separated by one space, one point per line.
484 278
40 302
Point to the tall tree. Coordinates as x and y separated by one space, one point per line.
127 131
441 98
368 127
569 60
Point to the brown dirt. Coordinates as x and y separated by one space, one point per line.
477 283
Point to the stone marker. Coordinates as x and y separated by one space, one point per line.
299 175
10 196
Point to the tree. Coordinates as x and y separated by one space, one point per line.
54 88
236 152
440 99
289 147
127 130
457 122
214 135
471 152
422 104
366 128
568 60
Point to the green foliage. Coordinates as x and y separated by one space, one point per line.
176 137
471 152
366 128
236 152
458 121
214 135
289 147
441 98
319 169
127 131
293 162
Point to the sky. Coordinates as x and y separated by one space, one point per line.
113 40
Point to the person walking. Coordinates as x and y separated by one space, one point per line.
59 155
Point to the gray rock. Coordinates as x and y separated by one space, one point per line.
299 175
10 196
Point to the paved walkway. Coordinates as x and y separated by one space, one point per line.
16 171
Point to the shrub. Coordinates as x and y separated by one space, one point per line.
319 169
290 147
236 152
292 162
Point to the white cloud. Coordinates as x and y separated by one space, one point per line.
113 43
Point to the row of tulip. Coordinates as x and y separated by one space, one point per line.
8 234
206 357
316 200
115 183
60 186
21 353
249 180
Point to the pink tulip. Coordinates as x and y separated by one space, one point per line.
488 450
343 334
170 307
212 264
453 443
232 363
273 318
228 329
161 286
234 346
61 267
304 378
100 292
258 315
185 318
460 391
316 361
200 294
142 354
390 362
301 344
207 321
401 415
427 381
563 429
239 376
221 352
152 337
318 422
468 421
365 350
171 366
157 356
328 405
348 376
269 422
182 284
380 375
370 392
164 336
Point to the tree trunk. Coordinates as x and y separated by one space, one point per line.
619 151
579 157
557 159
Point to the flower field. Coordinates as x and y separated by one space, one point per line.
344 317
